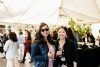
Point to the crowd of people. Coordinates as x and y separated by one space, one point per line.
56 49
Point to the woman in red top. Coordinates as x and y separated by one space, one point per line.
27 44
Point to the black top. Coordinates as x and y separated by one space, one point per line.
69 52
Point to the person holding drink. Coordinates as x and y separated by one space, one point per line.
65 54
42 51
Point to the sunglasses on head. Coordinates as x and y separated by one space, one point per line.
47 29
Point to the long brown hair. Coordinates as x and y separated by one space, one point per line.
13 37
39 38
70 34
29 35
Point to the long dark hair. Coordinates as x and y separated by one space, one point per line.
39 38
63 27
13 37
29 35
70 34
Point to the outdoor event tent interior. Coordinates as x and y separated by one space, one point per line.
50 11
56 12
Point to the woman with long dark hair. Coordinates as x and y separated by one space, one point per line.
27 44
41 53
65 52
11 48
72 37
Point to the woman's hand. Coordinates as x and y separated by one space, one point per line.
75 64
51 54
59 53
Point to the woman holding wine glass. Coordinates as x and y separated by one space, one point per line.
42 52
65 54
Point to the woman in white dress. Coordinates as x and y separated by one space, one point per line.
11 47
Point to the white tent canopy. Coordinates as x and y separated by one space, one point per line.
50 11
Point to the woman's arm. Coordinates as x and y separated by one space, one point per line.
36 55
75 55
6 46
75 64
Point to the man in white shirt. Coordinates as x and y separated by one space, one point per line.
21 39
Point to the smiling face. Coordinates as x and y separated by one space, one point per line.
61 33
45 31
26 34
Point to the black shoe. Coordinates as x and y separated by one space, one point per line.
4 57
22 61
